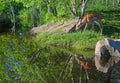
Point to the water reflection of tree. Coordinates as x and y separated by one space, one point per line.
81 75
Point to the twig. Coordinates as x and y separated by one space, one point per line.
34 55
69 58
86 72
80 79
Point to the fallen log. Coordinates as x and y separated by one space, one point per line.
107 55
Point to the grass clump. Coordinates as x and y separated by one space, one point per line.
75 42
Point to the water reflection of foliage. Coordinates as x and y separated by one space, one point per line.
43 63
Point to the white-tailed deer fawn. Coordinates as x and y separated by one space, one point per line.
91 18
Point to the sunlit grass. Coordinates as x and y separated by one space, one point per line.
79 41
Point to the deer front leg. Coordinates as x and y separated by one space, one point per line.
85 27
78 25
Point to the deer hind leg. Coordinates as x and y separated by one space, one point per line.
100 26
93 26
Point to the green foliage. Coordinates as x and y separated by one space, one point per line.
15 66
44 11
74 41
25 61
42 58
25 17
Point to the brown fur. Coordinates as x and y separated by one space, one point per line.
90 18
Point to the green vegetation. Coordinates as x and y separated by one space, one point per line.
75 42
33 13
40 59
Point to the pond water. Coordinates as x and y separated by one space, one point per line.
52 65
72 73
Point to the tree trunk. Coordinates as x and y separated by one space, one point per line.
13 16
102 1
51 7
35 17
70 9
74 6
83 6
118 1
92 3
33 25
113 5
106 3
40 15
